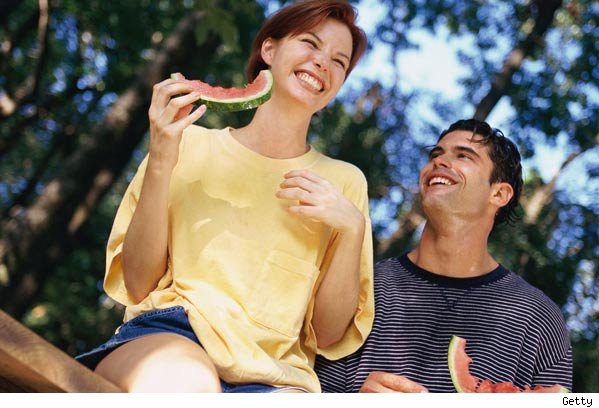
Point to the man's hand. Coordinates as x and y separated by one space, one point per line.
379 381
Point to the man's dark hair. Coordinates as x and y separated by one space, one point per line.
506 160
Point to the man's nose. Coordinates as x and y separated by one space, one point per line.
441 161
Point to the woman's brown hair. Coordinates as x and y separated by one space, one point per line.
301 17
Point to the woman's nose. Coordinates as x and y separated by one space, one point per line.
321 62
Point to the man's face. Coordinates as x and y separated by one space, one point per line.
456 178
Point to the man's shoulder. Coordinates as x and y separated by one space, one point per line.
390 267
528 292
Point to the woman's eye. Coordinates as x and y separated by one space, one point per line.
308 41
340 63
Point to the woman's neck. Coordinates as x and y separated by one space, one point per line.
275 133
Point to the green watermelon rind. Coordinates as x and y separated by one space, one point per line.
238 104
452 351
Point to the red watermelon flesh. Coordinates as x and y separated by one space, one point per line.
459 369
232 99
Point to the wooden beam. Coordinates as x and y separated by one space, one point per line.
28 363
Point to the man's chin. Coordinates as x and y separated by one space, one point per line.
442 209
435 203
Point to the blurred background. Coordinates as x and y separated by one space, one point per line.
75 86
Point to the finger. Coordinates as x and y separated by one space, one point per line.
177 104
374 384
308 211
167 92
167 86
197 114
183 112
373 387
307 174
158 86
301 182
401 384
191 118
296 194
161 98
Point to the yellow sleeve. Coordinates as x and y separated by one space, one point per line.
360 328
114 283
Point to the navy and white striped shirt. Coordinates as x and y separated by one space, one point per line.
514 332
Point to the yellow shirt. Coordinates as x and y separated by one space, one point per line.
245 269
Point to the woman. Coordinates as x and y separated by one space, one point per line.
241 253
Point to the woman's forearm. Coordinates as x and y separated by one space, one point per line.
337 298
144 258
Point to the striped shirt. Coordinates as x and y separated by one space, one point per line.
514 332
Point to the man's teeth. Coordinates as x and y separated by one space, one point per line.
440 180
315 84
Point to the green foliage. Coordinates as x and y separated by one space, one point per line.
94 50
554 99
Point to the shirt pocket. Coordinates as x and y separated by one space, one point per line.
281 294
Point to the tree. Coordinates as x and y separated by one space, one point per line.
75 83
547 74
75 91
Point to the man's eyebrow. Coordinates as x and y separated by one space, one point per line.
320 42
466 149
435 149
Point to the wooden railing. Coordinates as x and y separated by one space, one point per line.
28 363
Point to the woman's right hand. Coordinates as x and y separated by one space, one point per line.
170 112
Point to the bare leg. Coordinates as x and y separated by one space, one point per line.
162 362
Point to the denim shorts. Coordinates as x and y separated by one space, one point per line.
169 320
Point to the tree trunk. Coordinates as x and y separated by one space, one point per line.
545 11
34 239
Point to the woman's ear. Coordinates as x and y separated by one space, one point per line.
268 46
502 193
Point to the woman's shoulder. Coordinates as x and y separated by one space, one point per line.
197 137
196 130
342 168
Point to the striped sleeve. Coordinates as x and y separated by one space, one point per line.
332 374
558 373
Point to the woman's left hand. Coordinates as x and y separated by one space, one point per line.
320 200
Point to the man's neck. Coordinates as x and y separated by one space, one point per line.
454 250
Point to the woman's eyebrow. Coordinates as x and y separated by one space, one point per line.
341 54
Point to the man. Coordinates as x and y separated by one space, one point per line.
451 285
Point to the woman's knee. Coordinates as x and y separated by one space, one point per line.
161 363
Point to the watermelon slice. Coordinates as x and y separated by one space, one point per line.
459 369
232 99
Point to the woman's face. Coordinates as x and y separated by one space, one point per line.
310 67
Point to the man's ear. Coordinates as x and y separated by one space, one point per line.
267 50
501 194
